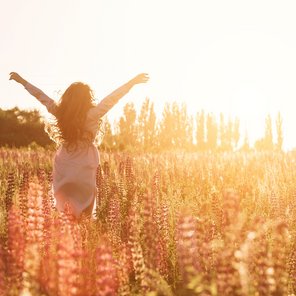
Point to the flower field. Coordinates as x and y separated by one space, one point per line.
166 224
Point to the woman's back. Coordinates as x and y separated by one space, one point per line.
77 124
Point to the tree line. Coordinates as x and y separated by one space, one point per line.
20 128
174 130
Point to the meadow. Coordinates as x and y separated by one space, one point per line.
165 224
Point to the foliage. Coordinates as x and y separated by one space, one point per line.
176 130
165 224
21 128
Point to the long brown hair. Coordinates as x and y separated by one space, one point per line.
71 114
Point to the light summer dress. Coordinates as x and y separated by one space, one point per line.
74 172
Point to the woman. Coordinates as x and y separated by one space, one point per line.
76 126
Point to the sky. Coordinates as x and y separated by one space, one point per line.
236 57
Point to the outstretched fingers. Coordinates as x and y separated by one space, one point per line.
11 74
15 76
142 78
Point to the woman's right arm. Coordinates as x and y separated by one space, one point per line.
36 92
108 102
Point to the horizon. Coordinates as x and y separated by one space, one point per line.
116 120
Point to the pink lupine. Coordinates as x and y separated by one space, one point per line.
163 241
106 272
23 192
68 262
187 246
151 234
114 223
3 283
124 269
15 247
136 250
49 260
9 191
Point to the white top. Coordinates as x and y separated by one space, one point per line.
74 173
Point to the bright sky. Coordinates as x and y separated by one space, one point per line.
236 57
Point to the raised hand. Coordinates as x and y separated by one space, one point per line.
16 77
141 78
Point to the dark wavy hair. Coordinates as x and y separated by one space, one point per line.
68 127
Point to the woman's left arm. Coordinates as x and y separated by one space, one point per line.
108 102
36 92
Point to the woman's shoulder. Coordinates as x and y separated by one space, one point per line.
92 114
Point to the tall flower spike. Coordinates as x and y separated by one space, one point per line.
3 284
16 248
9 191
106 273
187 247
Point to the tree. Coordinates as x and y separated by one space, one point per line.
229 135
268 143
21 128
142 124
127 127
152 142
246 145
183 127
108 142
147 126
166 128
236 134
212 133
222 133
279 130
200 131
175 128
